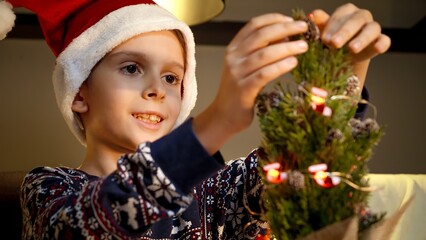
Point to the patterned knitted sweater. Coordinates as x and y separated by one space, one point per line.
168 189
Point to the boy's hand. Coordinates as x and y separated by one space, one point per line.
258 54
355 27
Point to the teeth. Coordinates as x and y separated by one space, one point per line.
148 117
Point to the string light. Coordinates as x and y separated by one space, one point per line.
273 175
318 172
355 101
318 97
326 179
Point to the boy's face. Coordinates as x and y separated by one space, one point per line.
133 95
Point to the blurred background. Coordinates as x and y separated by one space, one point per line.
33 132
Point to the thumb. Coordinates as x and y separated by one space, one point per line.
320 18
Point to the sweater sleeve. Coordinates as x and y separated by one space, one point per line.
60 204
230 201
362 108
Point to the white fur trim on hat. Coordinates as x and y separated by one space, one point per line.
7 18
75 63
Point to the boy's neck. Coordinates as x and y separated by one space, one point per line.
93 169
99 163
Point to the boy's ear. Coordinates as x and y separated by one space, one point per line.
79 105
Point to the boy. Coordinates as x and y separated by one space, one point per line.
124 81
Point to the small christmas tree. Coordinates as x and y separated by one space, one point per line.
313 153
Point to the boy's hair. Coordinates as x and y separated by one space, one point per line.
80 33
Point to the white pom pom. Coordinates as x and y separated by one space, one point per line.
7 18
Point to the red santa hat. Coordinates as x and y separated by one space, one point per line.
82 32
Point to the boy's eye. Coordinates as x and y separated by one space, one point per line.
171 79
131 69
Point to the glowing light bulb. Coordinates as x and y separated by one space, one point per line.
273 176
318 97
326 179
317 100
320 175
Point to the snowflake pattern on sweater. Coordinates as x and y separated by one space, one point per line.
138 201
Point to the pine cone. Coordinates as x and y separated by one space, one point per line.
371 125
334 134
261 103
275 98
313 32
266 101
296 180
357 127
352 87
363 128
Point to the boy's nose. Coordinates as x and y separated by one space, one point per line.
154 89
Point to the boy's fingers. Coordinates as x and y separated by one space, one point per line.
335 20
320 18
258 79
382 44
256 23
268 35
369 34
346 28
379 46
272 54
344 23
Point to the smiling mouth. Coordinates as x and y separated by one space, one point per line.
148 118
